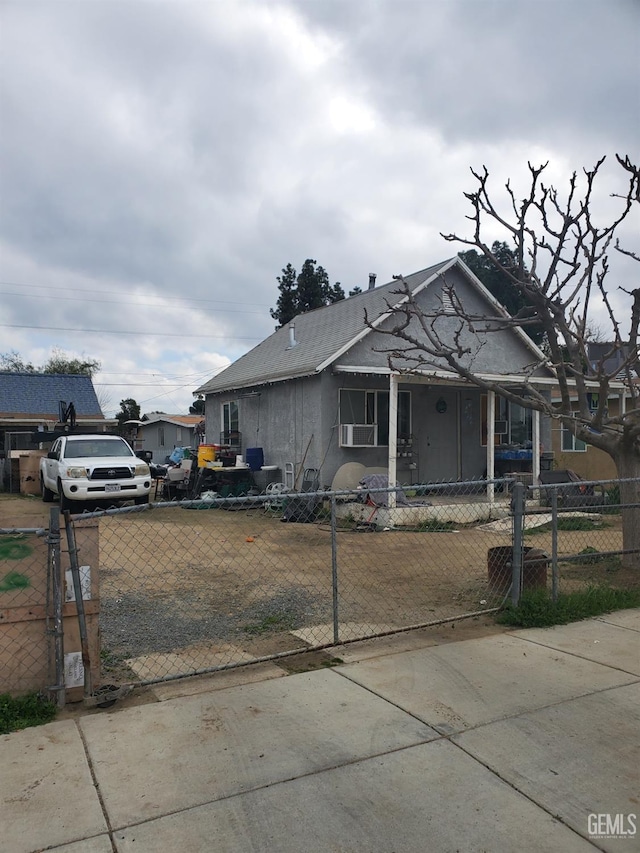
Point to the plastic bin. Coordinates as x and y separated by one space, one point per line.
254 457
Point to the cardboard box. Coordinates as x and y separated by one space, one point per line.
29 471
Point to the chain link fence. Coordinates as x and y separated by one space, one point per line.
187 587
578 526
28 606
192 586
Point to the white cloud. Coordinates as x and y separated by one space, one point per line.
161 162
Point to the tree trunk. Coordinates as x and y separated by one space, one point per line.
628 462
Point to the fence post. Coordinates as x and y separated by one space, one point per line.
554 545
334 570
54 605
517 504
77 589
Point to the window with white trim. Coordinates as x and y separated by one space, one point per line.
570 443
230 422
360 408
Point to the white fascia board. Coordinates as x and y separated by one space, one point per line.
381 318
448 376
52 419
274 380
165 420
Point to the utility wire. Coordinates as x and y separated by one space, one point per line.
110 293
127 332
141 304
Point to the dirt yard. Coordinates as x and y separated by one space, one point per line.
178 586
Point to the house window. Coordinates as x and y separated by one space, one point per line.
178 434
515 421
230 422
372 408
570 443
160 436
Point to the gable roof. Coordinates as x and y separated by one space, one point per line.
35 395
324 334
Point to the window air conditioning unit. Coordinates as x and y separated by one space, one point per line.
358 435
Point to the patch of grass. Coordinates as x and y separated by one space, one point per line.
274 622
432 525
613 501
537 610
21 712
569 523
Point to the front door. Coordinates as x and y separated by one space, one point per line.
441 426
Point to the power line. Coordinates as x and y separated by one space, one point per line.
130 302
126 332
110 293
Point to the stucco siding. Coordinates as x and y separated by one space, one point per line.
492 352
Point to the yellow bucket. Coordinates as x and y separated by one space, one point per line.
206 453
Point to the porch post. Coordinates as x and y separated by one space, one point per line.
535 441
393 436
491 431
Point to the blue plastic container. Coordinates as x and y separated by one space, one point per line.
254 457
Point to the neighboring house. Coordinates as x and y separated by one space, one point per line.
160 434
569 452
30 403
318 393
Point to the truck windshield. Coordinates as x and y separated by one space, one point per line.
96 447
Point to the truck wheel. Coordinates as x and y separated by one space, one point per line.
142 500
47 495
65 503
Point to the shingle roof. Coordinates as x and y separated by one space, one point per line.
39 394
179 420
320 334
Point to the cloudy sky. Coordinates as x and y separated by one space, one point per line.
160 162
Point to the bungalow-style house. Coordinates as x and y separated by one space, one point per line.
159 434
320 392
31 403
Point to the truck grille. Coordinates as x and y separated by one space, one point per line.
112 473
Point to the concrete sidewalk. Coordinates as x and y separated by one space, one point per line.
502 743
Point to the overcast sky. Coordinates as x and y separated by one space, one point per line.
161 162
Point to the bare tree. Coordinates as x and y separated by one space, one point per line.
561 270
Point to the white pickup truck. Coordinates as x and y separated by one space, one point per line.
93 468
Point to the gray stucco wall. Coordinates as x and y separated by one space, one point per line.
297 422
501 352
284 419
